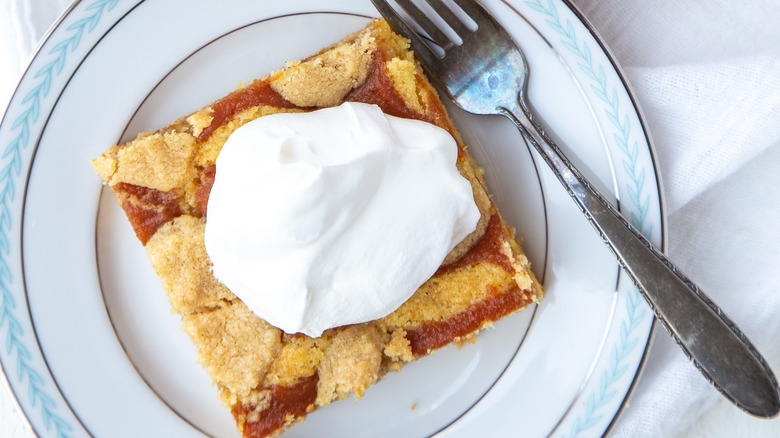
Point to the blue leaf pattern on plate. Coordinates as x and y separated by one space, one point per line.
635 310
26 371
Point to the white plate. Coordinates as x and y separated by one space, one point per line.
89 346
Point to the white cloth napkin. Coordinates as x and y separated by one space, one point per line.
707 75
22 24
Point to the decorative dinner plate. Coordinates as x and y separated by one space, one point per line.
89 346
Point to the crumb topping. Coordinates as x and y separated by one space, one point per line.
200 121
178 255
159 161
235 347
398 348
325 79
351 363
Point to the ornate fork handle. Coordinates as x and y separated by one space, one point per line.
486 73
707 336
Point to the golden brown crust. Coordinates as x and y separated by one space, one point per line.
324 80
178 255
160 161
234 346
352 363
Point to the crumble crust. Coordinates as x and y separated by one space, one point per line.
325 79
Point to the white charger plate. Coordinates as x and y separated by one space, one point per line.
89 345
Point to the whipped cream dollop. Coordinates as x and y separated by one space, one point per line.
336 216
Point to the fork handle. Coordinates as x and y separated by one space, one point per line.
708 337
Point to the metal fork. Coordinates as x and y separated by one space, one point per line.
487 73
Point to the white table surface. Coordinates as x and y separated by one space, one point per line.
712 213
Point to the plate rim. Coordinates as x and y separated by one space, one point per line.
663 244
664 235
50 409
110 4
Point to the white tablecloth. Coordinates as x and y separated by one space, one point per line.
707 75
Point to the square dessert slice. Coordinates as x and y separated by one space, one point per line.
270 379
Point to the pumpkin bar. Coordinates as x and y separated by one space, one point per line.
270 379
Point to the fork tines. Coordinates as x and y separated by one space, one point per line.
436 33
